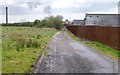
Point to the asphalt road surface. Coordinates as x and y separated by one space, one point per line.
70 56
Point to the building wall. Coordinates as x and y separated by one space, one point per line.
78 22
102 19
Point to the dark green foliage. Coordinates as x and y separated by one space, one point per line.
36 22
33 57
66 24
29 24
52 21
38 36
17 48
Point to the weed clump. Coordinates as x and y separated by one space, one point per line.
35 44
20 43
29 43
38 36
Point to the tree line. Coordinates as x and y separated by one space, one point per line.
51 21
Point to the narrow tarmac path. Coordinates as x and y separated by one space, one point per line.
70 56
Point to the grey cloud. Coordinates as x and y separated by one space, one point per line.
34 4
89 7
16 10
47 10
83 8
30 4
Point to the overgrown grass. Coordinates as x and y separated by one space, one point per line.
105 50
73 37
22 46
0 59
100 48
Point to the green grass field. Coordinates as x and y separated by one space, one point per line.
22 46
100 48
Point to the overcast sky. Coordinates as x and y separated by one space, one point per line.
29 10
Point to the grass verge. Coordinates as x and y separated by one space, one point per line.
73 37
22 46
100 48
104 50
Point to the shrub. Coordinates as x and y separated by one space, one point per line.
17 48
29 43
33 57
38 36
35 44
20 43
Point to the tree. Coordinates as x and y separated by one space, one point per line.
55 22
58 22
52 21
36 22
43 23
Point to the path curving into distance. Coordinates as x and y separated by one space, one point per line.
70 56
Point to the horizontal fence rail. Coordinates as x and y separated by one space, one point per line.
109 36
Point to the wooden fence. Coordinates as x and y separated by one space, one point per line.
107 35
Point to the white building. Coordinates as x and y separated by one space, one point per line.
102 19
